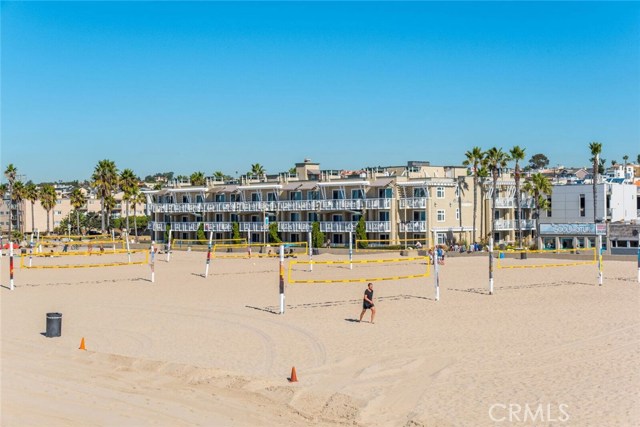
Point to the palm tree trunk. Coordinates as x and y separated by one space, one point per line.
596 164
518 206
127 217
47 222
78 221
33 220
475 204
135 221
493 205
102 214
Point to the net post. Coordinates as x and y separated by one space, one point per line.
113 240
599 245
153 261
311 252
281 282
638 263
206 268
11 265
249 243
169 247
350 251
490 265
436 274
126 233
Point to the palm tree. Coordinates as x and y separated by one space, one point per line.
596 150
474 159
257 169
219 176
540 187
197 179
138 197
48 200
11 172
625 158
496 161
128 185
78 200
31 194
17 196
110 204
517 154
105 181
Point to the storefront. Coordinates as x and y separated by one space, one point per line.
572 236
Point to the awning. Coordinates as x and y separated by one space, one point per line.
382 182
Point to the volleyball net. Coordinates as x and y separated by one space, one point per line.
202 244
84 259
511 259
365 270
241 250
386 245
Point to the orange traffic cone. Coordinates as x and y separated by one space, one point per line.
294 377
82 347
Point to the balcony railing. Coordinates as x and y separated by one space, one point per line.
378 203
337 227
504 202
511 224
413 226
294 226
413 203
297 205
253 226
378 226
341 204
218 226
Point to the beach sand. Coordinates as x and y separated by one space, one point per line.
188 350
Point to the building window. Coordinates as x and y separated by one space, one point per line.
440 215
295 216
312 216
440 192
385 193
220 198
383 216
357 194
419 192
418 215
313 195
295 195
338 194
582 205
337 218
442 238
58 212
271 197
256 197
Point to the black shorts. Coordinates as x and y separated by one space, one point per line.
366 305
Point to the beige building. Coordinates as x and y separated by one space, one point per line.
26 221
399 203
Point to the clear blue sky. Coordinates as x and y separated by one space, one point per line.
162 86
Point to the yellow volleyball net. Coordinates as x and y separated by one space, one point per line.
202 244
386 245
363 270
247 250
85 259
85 245
511 259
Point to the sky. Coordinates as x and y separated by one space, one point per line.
218 86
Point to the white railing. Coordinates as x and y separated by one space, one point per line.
502 202
156 226
337 227
413 203
413 226
378 226
185 226
297 205
378 203
218 226
253 226
341 204
511 224
294 226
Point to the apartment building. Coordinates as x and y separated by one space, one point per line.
399 203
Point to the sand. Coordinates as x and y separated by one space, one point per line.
186 350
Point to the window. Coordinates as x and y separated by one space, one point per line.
234 218
385 193
440 192
219 217
312 216
383 216
418 215
496 214
271 197
220 198
313 195
58 212
357 194
295 195
440 215
254 218
457 213
295 216
233 197
185 199
582 205
337 218
419 192
199 199
256 197
338 195
442 238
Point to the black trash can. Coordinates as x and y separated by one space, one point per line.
54 325
523 255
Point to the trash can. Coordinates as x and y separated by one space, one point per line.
523 255
54 325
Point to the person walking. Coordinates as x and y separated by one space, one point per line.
367 303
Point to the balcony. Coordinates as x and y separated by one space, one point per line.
338 227
413 203
378 226
378 203
218 226
294 226
185 226
253 226
341 204
297 205
413 226
525 203
510 224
